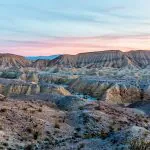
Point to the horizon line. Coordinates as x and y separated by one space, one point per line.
73 54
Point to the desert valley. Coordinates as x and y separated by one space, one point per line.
89 101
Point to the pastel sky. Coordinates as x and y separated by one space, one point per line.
46 27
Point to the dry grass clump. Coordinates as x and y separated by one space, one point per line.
139 144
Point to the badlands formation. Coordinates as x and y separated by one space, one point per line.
89 101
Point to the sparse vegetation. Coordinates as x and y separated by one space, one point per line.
104 134
36 135
40 110
56 125
139 144
2 110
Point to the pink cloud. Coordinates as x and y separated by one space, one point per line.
74 45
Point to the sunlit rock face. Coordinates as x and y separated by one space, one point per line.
121 94
54 89
17 87
89 87
114 93
29 77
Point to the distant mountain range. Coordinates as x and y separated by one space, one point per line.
111 58
34 58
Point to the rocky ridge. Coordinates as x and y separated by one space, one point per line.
114 59
15 61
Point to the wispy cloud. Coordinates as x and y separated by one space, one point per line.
28 27
78 44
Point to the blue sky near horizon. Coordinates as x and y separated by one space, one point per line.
65 26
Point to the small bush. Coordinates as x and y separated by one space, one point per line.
81 108
29 130
104 134
56 125
36 135
5 144
2 110
40 110
78 129
25 108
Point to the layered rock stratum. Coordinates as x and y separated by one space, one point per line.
10 60
114 58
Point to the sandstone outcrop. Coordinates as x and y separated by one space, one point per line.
89 87
18 87
54 89
121 94
9 88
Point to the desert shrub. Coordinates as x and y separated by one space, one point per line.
78 129
2 110
40 110
29 147
87 136
104 134
139 144
81 146
36 135
25 108
5 144
56 125
76 135
29 130
81 107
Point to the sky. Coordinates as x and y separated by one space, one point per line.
36 27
